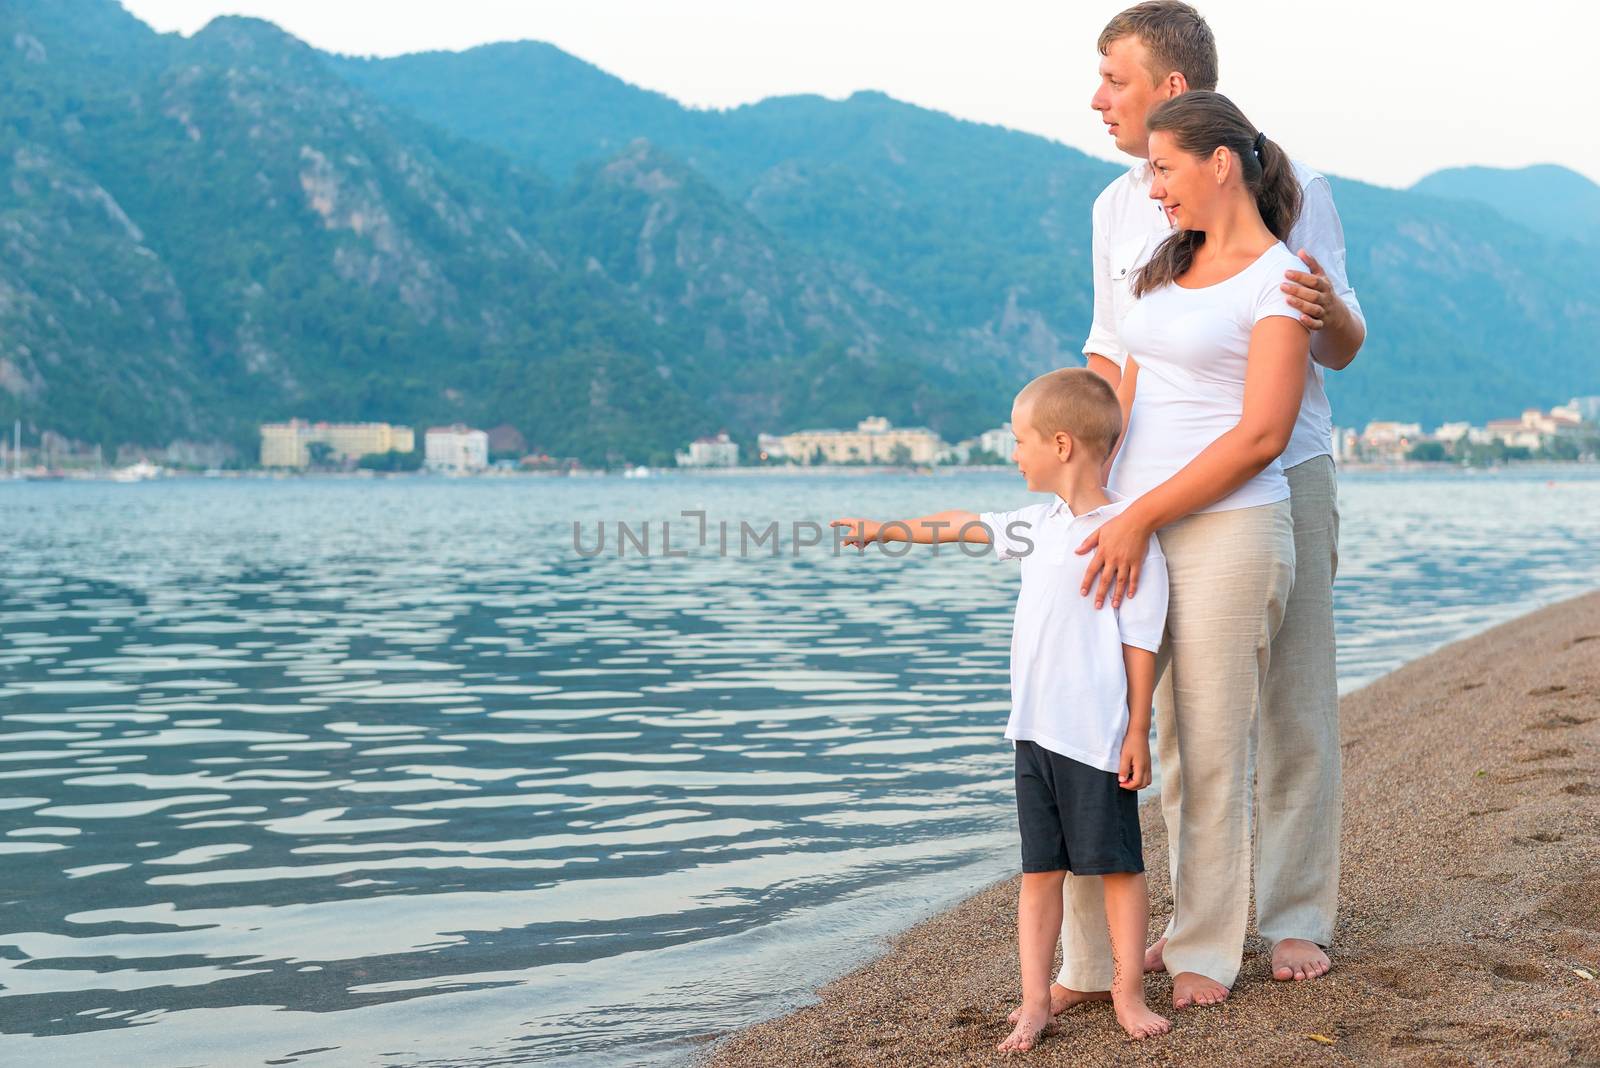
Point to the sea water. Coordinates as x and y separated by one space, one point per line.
401 771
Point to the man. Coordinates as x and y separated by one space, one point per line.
1150 53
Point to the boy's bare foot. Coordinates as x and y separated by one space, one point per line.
1062 999
1192 988
1153 960
1140 1022
1031 1024
1296 959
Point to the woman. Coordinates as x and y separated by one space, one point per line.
1210 393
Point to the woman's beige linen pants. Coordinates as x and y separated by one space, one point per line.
1231 574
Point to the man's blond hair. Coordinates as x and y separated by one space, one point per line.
1175 38
1078 402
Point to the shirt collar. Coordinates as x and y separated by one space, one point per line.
1143 176
1061 507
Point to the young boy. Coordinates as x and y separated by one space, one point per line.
1081 685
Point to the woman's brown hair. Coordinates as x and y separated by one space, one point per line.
1201 122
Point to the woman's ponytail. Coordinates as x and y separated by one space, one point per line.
1278 191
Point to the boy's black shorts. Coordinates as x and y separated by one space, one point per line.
1074 817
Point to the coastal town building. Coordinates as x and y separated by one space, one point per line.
1448 433
1535 429
873 440
1343 440
718 451
997 442
455 449
1514 433
1569 430
1385 437
290 444
1587 409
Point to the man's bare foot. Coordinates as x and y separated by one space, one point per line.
1031 1024
1140 1022
1297 959
1153 959
1062 999
1192 988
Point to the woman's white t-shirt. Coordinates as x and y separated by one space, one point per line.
1192 347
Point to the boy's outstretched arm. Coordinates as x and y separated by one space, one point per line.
1133 768
924 530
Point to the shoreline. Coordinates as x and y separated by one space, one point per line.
1469 900
777 471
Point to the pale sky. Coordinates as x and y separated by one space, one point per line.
1382 90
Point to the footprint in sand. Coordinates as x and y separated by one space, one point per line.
1581 789
971 1016
1447 1033
1547 754
1545 691
1524 776
1561 721
1519 973
1577 905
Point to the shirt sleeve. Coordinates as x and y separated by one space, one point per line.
1142 618
1270 298
1319 231
1103 333
1012 533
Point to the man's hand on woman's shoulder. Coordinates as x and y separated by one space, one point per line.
1311 294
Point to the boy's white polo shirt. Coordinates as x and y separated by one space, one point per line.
1069 687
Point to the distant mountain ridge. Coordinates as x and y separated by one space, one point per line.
987 228
298 247
200 234
1559 203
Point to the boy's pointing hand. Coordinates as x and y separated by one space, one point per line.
862 531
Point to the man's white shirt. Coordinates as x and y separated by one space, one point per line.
1069 685
1128 226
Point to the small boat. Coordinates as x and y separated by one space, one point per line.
139 472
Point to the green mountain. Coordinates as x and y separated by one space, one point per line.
980 228
202 234
1559 203
206 233
1470 316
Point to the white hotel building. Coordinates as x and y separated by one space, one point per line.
455 449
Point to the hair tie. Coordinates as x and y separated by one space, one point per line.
1261 141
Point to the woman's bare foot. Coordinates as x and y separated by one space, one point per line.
1153 959
1297 959
1031 1024
1062 999
1192 988
1140 1022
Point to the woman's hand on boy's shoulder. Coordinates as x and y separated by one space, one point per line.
1119 546
1133 767
863 532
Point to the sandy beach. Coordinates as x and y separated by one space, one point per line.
1469 901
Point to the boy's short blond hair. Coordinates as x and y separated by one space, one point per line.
1078 402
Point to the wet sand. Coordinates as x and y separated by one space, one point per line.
1469 901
